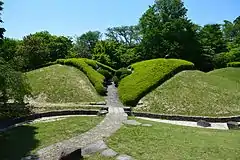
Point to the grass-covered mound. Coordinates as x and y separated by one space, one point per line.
90 68
146 76
195 93
229 73
59 84
23 140
171 142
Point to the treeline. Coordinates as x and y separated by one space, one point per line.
164 31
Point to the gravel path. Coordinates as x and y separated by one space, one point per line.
111 123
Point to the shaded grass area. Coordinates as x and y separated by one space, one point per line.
21 141
165 141
146 76
194 93
61 84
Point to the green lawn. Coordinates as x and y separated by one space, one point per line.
146 76
171 142
60 83
230 73
196 93
20 141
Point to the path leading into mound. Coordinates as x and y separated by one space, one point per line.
111 123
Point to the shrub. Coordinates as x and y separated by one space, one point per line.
147 76
97 65
233 64
105 73
122 72
95 78
115 80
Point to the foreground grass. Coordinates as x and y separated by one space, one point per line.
146 76
20 141
61 84
194 93
165 141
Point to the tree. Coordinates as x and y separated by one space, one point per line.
2 30
167 32
212 36
231 32
128 35
85 44
42 47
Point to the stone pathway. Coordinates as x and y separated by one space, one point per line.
221 126
111 123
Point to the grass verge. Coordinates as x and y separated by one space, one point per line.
146 76
195 93
165 141
61 84
21 141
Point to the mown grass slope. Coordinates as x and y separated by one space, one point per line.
229 73
146 76
90 68
195 93
171 142
59 84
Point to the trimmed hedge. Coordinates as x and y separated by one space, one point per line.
233 64
147 75
95 78
97 65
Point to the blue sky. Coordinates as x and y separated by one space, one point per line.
74 17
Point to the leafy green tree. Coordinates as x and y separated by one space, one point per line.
166 32
2 30
85 44
128 35
42 47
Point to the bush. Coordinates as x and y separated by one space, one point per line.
221 60
147 76
233 64
105 73
115 80
95 78
121 73
97 65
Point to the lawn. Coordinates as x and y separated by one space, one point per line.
230 73
165 141
20 141
195 93
148 75
61 84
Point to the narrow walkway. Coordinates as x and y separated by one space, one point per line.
221 126
111 123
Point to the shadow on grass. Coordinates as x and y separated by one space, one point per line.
17 143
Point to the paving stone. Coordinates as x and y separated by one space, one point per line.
132 122
124 157
203 123
109 153
146 125
94 148
233 125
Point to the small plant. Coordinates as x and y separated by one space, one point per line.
115 80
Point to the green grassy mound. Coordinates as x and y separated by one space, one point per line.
146 76
23 140
165 141
229 73
195 93
61 84
90 67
